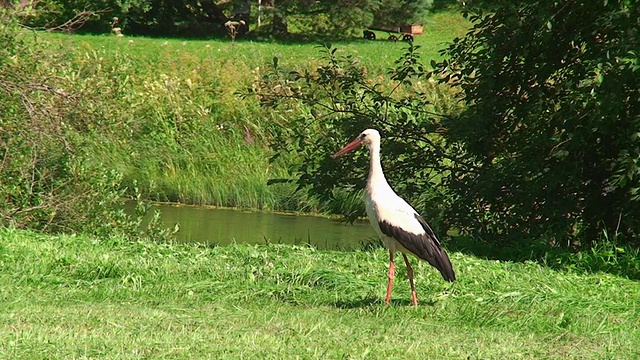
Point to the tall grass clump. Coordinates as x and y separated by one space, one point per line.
46 184
174 134
182 135
607 255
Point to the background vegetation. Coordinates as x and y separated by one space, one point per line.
207 18
125 108
121 116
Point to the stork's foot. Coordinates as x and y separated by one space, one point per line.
414 298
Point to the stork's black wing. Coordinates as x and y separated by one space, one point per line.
424 245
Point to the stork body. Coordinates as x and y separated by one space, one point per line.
399 226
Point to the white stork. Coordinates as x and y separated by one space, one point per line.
399 226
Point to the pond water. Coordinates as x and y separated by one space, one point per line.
225 226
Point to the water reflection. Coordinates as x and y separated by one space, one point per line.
225 226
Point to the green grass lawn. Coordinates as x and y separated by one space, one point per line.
75 297
439 29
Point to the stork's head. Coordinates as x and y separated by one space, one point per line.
369 138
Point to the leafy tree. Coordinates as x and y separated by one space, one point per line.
344 17
99 14
181 17
552 123
194 18
400 12
159 17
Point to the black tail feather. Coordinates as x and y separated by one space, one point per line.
443 264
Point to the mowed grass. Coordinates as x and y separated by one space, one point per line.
76 297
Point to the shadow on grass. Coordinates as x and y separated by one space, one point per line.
300 38
605 256
459 5
488 251
257 35
377 302
358 303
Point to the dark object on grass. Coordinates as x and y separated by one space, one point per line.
369 35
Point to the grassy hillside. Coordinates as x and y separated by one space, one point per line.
77 297
167 113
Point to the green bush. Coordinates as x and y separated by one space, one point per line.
47 182
151 17
332 104
551 131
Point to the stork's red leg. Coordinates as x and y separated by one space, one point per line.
392 274
414 296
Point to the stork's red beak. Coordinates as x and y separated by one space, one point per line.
349 147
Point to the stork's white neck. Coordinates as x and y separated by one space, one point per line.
376 178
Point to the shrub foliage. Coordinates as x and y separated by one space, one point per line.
150 17
552 120
204 18
49 180
340 101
